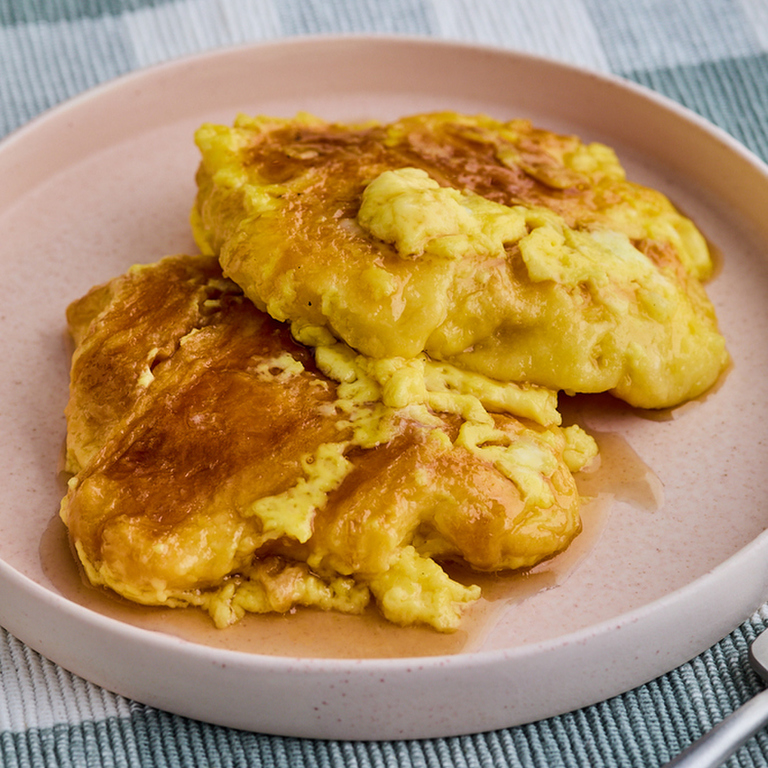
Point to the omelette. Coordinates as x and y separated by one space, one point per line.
355 383
218 462
500 248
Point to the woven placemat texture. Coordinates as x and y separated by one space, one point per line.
79 724
709 55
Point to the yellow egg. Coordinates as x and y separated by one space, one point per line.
504 249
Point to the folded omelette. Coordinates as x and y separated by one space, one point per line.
355 384
219 463
501 248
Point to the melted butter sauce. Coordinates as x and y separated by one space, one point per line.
619 474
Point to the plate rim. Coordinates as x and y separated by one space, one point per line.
167 66
476 658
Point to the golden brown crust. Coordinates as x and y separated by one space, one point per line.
583 267
190 459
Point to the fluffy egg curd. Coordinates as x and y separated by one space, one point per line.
218 462
503 249
355 384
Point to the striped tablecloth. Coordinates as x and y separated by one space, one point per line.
710 55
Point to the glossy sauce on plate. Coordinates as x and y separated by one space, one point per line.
309 633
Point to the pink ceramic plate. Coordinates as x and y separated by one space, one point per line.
108 179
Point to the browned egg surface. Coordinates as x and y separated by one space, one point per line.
502 248
215 465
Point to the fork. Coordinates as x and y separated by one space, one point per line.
716 746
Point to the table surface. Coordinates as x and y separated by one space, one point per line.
710 55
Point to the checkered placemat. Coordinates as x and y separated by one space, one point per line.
710 55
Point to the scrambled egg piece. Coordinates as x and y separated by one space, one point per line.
502 249
218 462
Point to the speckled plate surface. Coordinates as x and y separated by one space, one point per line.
107 180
